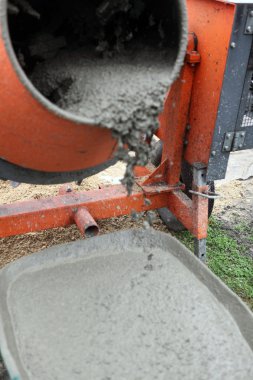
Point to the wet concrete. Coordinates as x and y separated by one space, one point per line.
109 61
119 93
143 310
124 93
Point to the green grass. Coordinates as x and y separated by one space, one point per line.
227 258
246 230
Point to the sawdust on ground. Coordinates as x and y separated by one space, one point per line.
236 202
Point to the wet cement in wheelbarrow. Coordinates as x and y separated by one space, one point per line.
130 313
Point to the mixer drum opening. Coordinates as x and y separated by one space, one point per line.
109 61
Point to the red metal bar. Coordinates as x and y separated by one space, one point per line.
175 117
193 214
37 215
158 175
181 206
59 211
212 21
85 222
200 213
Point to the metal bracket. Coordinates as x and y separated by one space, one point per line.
249 23
200 249
200 184
228 142
239 140
234 141
199 174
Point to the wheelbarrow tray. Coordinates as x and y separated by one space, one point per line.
129 305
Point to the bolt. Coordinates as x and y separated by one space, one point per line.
249 29
226 148
213 153
186 142
188 127
233 45
228 136
242 134
240 146
251 13
147 202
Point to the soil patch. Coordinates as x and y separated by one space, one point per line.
235 211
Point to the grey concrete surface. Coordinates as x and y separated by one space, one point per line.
240 166
131 305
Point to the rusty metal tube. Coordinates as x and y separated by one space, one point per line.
85 223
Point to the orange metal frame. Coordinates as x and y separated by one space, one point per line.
192 101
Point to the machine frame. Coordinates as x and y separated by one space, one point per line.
202 106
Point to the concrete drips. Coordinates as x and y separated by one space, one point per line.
108 61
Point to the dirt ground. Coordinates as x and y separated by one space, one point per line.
236 202
235 210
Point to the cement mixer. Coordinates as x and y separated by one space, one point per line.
86 59
85 84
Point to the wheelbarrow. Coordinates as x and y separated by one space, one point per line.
129 305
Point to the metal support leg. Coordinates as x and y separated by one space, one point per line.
200 249
200 206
